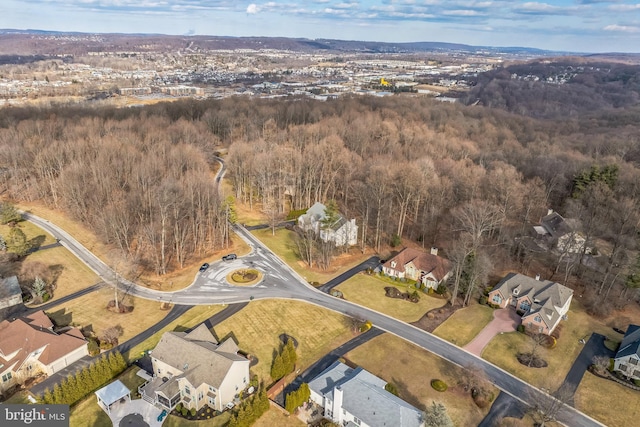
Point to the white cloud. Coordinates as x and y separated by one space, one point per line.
252 9
624 7
622 28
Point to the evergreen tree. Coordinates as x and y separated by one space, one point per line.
331 214
263 401
56 394
74 389
39 287
104 371
84 381
47 397
436 416
233 421
291 350
230 209
287 366
304 393
120 362
277 368
17 242
94 375
64 391
9 213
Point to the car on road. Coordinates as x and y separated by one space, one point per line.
229 257
204 267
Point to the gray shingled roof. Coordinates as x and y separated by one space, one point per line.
364 397
630 343
9 287
544 294
198 355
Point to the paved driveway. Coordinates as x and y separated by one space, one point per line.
504 320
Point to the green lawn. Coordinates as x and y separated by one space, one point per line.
608 402
411 369
191 318
368 291
90 311
465 324
282 244
502 349
219 421
258 326
35 235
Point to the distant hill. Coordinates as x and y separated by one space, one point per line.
23 42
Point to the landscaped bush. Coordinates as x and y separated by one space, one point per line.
611 364
193 412
439 385
441 289
366 326
179 407
92 346
183 411
483 300
520 328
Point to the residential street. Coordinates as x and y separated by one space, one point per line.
282 282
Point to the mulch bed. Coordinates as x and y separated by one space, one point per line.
433 318
524 359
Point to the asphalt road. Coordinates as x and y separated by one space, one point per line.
66 298
280 281
504 406
372 263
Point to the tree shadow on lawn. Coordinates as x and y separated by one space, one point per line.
406 395
61 318
56 270
35 242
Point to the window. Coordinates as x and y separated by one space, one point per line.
212 389
187 391
244 380
6 377
30 367
356 421
524 306
636 373
538 319
633 361
497 299
623 367
200 395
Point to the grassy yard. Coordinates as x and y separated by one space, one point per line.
503 348
369 291
607 401
219 421
258 326
411 369
274 417
282 244
191 318
90 311
465 324
87 413
72 274
35 235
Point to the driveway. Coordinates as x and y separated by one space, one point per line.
504 320
594 347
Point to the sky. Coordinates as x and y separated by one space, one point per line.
561 25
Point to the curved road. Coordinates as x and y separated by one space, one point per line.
280 281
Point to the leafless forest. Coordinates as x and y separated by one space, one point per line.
470 180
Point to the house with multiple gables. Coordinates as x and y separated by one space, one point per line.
29 347
342 232
195 370
426 268
542 303
627 359
561 233
355 397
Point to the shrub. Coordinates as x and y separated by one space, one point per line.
179 407
611 364
395 240
93 347
193 412
104 345
183 411
637 382
391 388
442 289
366 326
439 385
46 297
483 300
521 328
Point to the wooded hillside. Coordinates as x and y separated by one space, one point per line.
447 175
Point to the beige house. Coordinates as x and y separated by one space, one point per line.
195 370
28 347
426 268
542 303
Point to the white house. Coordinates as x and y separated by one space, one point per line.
627 358
28 347
426 268
564 232
195 370
355 397
342 232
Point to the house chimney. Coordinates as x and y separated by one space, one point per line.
434 251
537 277
549 211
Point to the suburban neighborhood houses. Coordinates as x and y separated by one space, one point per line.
195 370
429 269
541 303
341 231
355 397
29 347
627 359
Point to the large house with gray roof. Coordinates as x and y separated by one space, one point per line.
542 303
342 232
627 360
195 370
355 397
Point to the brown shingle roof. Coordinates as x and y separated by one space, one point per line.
424 261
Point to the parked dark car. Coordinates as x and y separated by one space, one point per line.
204 267
229 257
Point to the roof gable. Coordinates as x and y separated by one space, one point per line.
630 343
423 261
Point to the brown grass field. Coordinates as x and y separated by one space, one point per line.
459 329
90 311
369 291
608 402
411 369
258 326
